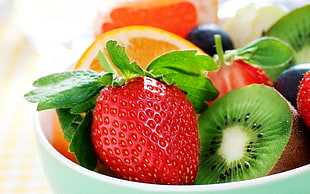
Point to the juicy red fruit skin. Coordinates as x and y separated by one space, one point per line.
146 131
237 75
303 99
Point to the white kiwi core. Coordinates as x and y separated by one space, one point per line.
233 143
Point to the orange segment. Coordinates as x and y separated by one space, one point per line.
142 44
177 16
158 47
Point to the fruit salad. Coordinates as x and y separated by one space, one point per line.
179 101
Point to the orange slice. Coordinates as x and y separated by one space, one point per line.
142 44
177 16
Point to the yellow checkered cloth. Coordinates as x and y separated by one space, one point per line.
20 168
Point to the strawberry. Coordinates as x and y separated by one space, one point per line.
303 99
237 74
146 131
141 126
235 71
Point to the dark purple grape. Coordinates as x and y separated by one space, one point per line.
288 81
203 37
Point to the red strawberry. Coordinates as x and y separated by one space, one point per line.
303 99
140 128
236 75
146 131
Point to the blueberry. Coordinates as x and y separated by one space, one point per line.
288 81
203 37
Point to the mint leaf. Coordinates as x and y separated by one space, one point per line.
81 144
120 59
188 72
271 54
63 90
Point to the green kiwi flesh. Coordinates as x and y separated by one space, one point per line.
294 29
243 135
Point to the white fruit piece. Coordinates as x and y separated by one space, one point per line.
250 22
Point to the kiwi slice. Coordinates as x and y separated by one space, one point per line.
294 29
244 135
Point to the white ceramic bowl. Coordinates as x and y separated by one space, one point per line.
66 177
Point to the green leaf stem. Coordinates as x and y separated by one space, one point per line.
81 144
122 62
271 54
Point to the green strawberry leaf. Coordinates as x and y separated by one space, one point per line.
81 144
271 54
120 59
85 106
68 122
198 90
104 62
67 89
187 70
106 79
63 90
185 62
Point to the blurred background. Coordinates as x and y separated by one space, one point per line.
36 38
39 37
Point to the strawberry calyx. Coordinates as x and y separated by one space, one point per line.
253 63
221 58
74 93
268 53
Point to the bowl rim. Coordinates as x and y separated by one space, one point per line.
155 187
